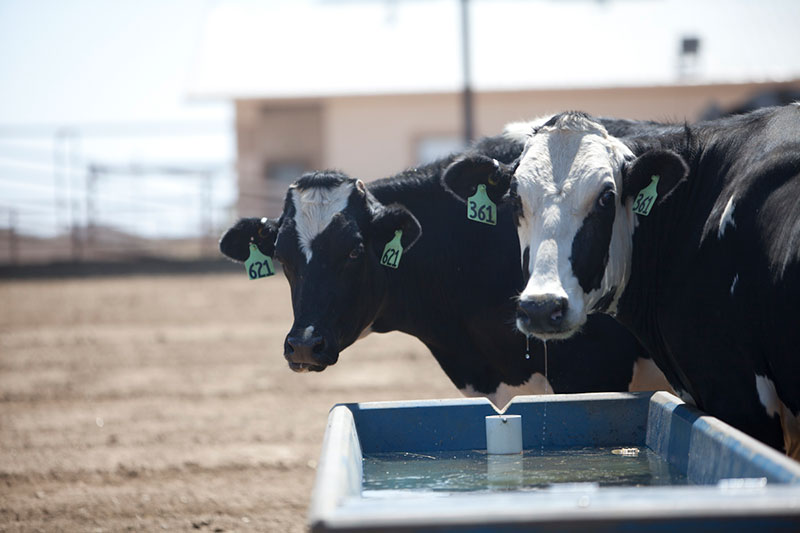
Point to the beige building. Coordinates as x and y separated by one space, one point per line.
369 137
374 87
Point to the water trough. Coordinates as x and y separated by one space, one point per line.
713 477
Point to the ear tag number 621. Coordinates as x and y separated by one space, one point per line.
481 208
393 251
646 198
258 265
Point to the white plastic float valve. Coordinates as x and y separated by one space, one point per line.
503 434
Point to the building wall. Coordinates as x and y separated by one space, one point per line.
668 104
271 138
369 137
372 137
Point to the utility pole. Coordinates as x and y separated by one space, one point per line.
466 95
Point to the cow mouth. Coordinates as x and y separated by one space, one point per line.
551 334
306 367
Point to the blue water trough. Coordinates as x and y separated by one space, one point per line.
734 482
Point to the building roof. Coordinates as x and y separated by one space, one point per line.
251 49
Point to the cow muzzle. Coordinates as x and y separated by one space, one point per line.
308 353
543 316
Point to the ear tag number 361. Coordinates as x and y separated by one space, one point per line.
392 251
258 265
481 208
646 198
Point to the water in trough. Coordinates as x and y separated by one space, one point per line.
475 470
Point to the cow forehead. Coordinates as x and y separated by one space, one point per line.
573 187
555 162
314 209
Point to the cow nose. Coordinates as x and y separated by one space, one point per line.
304 350
544 314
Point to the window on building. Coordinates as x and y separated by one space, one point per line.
285 172
433 147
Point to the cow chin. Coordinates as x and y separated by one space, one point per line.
567 330
316 363
306 367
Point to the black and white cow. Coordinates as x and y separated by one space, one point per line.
453 288
706 273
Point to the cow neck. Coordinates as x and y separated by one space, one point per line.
413 286
439 266
665 244
457 298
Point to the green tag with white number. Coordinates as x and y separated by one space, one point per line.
392 251
481 208
258 265
646 198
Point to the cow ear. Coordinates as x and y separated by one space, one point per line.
235 243
390 219
666 164
464 175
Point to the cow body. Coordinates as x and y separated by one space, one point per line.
708 279
455 294
453 289
720 264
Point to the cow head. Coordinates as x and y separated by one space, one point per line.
573 190
328 240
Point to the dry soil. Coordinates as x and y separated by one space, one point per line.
150 403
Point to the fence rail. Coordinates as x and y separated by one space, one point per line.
59 204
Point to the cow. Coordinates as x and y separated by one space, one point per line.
689 236
453 287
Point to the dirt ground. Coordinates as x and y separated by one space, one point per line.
148 403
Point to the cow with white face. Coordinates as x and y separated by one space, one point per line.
688 236
574 193
573 218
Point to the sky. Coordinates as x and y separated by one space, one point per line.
383 46
97 60
98 81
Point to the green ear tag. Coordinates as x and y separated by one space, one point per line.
646 198
481 208
258 265
392 251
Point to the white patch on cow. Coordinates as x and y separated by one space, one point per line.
315 207
647 376
470 392
735 281
367 330
308 332
727 218
685 396
562 172
500 398
767 395
520 131
790 423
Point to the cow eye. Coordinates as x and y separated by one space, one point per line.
356 252
606 199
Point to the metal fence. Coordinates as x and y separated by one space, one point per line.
62 202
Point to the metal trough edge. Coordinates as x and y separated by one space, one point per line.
339 470
673 428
